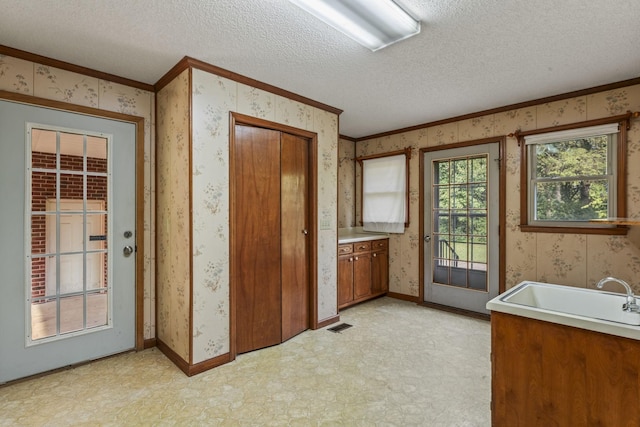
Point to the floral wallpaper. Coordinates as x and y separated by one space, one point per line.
346 183
213 98
572 259
173 252
29 78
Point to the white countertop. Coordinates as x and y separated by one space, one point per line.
357 234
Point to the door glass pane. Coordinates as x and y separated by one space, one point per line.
96 231
95 271
43 190
97 309
38 276
479 169
460 222
43 149
96 154
71 314
478 196
44 318
459 171
69 253
71 152
71 273
459 196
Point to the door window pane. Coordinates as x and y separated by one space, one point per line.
96 154
44 318
72 313
71 152
69 217
460 222
97 309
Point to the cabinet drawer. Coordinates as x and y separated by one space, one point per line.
380 244
362 246
345 249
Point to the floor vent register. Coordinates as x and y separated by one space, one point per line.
339 328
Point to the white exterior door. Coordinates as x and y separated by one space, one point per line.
68 226
461 226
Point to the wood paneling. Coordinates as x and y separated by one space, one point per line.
294 187
544 374
257 248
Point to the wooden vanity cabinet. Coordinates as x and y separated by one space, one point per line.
363 271
380 267
546 374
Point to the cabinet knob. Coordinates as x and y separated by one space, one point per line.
351 259
356 258
375 255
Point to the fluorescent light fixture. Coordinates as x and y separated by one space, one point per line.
372 23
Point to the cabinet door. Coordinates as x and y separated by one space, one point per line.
361 275
345 280
380 272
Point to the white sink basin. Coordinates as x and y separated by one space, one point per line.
584 308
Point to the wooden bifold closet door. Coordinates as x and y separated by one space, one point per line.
270 250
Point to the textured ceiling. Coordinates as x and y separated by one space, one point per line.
471 55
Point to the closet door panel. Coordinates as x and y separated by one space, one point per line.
257 245
294 234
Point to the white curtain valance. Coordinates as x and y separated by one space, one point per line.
384 182
565 135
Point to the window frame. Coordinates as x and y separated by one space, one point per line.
407 153
619 197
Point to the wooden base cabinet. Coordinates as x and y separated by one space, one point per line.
363 271
545 374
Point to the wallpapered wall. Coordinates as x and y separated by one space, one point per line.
213 98
346 183
29 78
172 194
568 259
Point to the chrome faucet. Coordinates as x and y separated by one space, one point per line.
631 304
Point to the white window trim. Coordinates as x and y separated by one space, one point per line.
564 135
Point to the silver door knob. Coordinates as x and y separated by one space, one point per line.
127 251
305 231
427 238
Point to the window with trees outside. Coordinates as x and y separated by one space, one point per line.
573 177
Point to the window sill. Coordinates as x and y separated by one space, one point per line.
617 221
618 230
